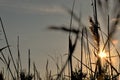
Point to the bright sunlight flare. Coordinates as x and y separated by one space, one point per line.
102 54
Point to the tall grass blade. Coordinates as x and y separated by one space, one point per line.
82 51
1 76
63 28
56 63
8 44
112 31
47 72
88 48
19 58
83 64
71 47
29 62
8 67
109 48
36 71
2 59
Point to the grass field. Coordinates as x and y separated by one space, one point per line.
99 57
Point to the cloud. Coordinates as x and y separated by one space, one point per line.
31 8
55 9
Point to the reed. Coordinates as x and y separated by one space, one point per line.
90 48
99 72
8 44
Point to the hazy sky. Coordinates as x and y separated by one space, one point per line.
29 20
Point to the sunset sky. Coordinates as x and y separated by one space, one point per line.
29 20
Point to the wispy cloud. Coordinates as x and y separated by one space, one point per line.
21 7
45 9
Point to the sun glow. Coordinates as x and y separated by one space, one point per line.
102 54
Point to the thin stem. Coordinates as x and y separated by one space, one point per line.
7 65
82 51
8 44
19 58
109 47
29 62
88 49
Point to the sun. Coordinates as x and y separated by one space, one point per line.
102 54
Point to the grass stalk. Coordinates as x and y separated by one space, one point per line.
109 48
88 49
7 44
82 51
34 75
29 61
83 64
19 58
47 72
7 65
36 71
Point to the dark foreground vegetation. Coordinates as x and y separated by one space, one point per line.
93 64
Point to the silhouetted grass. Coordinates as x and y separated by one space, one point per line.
89 49
99 72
